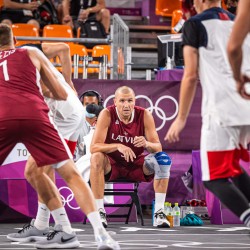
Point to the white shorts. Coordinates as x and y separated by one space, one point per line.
222 148
68 116
70 127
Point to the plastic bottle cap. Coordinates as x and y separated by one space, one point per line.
165 203
176 204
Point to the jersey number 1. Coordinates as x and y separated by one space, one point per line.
5 70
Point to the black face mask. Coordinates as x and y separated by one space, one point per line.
232 9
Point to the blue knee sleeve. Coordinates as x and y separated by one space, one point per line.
159 164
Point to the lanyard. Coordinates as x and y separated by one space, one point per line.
82 3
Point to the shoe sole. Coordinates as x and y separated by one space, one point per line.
105 247
57 245
166 225
27 239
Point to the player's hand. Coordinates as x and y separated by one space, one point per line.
140 141
174 130
243 86
67 19
83 15
31 6
126 152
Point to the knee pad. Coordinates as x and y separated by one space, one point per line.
159 164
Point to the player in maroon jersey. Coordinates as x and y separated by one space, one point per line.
24 118
122 133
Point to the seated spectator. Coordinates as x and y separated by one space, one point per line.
123 131
58 6
88 97
81 10
188 9
231 5
19 11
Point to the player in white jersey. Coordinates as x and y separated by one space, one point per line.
225 114
68 115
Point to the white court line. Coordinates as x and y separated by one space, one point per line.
143 234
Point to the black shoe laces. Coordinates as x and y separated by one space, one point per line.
103 215
51 235
25 227
160 214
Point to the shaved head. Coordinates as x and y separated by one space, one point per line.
124 90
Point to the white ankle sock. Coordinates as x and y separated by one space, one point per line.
99 203
60 216
159 201
95 220
245 217
42 217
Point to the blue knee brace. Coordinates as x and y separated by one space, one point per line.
159 164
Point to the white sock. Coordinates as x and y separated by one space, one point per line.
60 216
95 220
42 217
99 203
159 201
245 217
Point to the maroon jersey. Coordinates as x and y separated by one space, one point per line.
20 92
119 132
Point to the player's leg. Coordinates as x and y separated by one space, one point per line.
220 156
100 166
85 200
159 164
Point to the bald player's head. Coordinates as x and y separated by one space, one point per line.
124 101
124 90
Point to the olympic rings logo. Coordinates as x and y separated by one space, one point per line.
159 112
68 199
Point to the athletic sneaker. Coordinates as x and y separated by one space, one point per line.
160 219
105 242
59 239
103 217
29 233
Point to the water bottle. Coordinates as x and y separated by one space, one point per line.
169 63
153 211
176 215
179 25
166 208
170 214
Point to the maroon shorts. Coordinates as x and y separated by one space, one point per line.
131 172
40 138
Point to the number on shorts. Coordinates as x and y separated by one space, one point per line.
5 70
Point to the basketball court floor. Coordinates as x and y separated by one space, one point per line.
134 236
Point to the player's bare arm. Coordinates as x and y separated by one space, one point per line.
47 76
99 137
240 30
61 50
151 140
187 93
100 5
234 49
